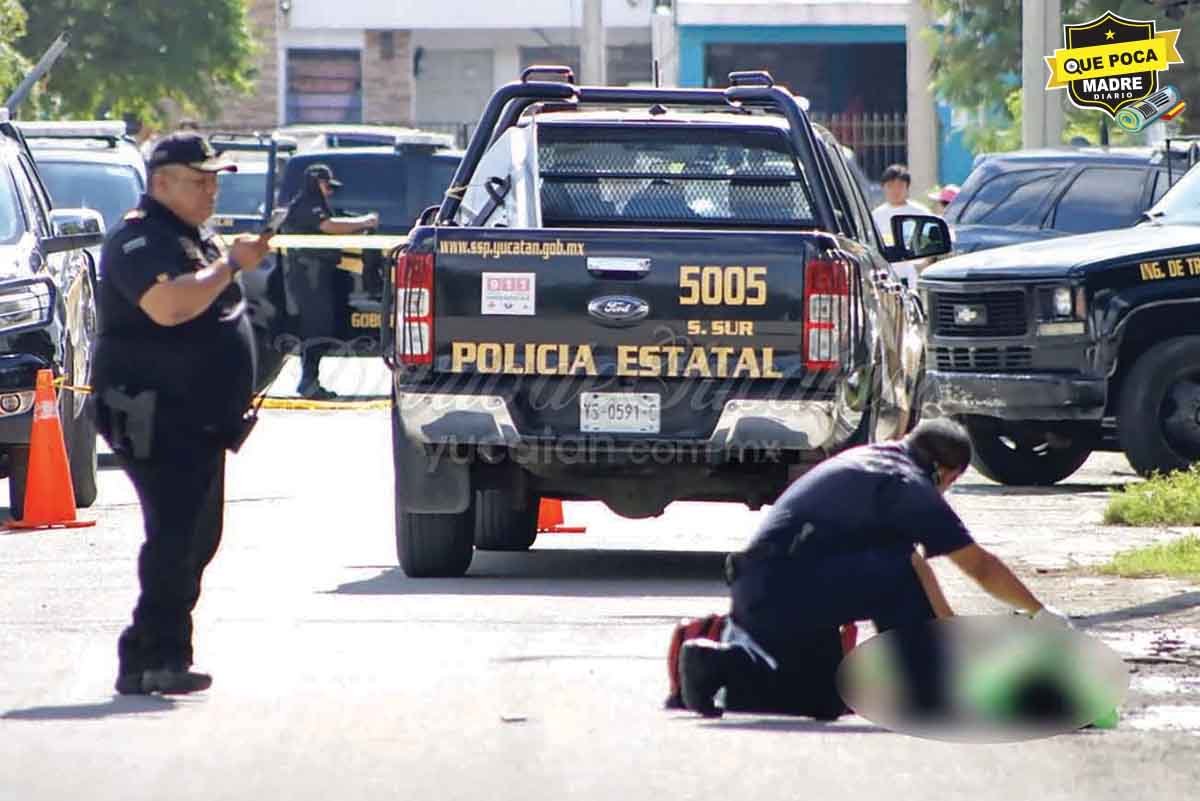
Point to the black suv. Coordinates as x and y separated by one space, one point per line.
47 315
1025 196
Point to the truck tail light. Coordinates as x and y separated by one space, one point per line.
826 306
414 308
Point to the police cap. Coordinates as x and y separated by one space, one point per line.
189 149
321 172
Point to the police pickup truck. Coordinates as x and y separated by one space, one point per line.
638 296
1052 350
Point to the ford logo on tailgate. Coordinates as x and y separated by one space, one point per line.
619 309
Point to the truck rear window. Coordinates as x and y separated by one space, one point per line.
670 175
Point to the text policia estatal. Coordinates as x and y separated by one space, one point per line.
664 361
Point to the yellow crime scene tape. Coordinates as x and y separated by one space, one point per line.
350 244
294 404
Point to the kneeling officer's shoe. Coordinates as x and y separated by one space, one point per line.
175 680
705 666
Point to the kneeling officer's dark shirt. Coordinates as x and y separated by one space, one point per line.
868 498
201 371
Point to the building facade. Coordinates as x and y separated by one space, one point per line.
859 63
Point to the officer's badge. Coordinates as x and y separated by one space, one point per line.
133 244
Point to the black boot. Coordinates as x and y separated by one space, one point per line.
705 666
175 680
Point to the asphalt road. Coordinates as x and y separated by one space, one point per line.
539 675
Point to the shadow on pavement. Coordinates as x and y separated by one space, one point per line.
1165 606
566 573
119 705
798 725
1057 489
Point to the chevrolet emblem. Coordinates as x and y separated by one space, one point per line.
970 315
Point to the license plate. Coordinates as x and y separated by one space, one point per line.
619 412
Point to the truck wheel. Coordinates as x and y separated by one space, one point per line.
1159 411
1020 455
18 472
500 527
79 435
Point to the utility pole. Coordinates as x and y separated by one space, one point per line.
1041 110
921 118
592 46
664 42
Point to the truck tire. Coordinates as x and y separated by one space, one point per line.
1158 419
500 527
18 473
1011 457
79 435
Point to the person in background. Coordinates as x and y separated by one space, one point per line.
310 273
896 183
942 197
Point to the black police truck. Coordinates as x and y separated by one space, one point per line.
639 296
1051 350
47 315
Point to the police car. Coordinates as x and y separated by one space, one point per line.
1055 349
47 314
639 296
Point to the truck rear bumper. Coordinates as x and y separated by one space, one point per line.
783 425
1016 396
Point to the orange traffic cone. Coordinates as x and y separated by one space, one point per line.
550 519
49 496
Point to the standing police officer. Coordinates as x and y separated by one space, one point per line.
310 273
173 377
837 547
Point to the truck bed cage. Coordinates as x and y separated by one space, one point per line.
513 99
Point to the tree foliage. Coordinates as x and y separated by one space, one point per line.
977 64
126 56
12 64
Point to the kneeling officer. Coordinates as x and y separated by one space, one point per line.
173 377
837 547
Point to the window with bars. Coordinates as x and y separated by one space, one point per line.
324 86
664 175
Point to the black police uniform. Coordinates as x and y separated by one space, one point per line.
169 400
837 547
310 276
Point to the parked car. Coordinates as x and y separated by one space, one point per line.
47 315
1052 350
91 165
1040 194
323 137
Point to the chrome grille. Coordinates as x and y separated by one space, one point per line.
1004 314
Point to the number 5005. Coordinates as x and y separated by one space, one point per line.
722 286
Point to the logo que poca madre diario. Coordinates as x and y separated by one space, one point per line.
1113 64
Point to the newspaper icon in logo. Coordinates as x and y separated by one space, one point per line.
1112 63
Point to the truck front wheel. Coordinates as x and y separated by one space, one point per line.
1159 410
501 527
1019 454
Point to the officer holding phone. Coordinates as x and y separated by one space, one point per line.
310 273
173 378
